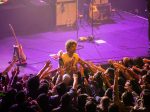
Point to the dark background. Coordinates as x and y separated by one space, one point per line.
29 17
138 7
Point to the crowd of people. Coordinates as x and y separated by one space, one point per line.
78 86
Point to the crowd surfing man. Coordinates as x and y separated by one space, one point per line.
70 58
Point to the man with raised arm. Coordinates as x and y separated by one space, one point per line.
70 58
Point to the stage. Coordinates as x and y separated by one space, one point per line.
125 35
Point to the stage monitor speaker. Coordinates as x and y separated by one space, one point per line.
66 13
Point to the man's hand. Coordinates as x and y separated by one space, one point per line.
61 70
15 71
75 76
146 60
47 64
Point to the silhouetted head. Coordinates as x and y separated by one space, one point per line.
66 99
61 89
128 99
90 106
20 97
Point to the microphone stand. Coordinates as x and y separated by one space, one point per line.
77 26
92 37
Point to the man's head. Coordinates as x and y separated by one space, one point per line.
66 79
128 99
146 98
71 46
90 106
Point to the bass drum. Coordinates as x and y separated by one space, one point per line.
94 13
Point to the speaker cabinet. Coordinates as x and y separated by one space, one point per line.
66 12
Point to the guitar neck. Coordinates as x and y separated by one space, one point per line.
14 35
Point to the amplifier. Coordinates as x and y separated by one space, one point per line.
66 12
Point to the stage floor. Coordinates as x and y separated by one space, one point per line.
123 36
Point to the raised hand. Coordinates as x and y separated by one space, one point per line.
81 69
61 70
15 71
146 60
117 73
75 76
54 56
60 53
47 64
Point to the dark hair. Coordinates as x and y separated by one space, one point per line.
143 72
113 108
110 71
61 89
9 98
121 90
146 98
127 99
82 101
138 62
87 72
43 88
105 102
33 86
33 83
65 99
135 86
128 62
70 43
109 93
121 81
42 99
90 106
147 79
43 102
98 79
18 86
20 97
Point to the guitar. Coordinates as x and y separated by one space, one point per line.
18 50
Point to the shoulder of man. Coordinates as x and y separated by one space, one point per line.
76 55
64 54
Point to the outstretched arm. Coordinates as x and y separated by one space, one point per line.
47 65
124 70
146 60
115 88
8 68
